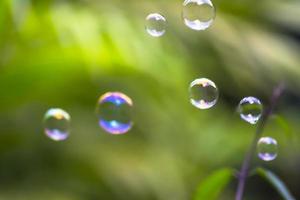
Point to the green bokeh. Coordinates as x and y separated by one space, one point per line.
67 53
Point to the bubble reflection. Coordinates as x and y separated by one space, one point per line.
114 112
56 122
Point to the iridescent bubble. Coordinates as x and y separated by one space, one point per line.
203 93
267 148
57 122
250 109
198 14
114 112
155 24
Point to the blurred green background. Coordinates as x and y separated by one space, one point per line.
66 53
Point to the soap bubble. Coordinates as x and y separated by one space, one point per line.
155 24
114 112
203 93
198 14
250 109
57 122
267 148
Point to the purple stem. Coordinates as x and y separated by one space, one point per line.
246 163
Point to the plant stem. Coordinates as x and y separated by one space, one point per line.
264 118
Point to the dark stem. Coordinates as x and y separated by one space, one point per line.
264 118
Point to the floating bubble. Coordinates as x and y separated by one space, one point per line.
250 109
114 112
155 24
203 93
267 148
198 14
57 122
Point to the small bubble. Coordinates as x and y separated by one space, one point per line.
203 93
57 122
198 14
267 148
250 109
155 24
114 112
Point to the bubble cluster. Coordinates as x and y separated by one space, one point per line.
114 112
267 148
155 24
203 93
57 122
198 14
250 109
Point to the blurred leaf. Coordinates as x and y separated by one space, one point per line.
276 183
283 124
211 187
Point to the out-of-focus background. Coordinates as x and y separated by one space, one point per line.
67 53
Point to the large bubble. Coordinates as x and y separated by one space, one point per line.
114 112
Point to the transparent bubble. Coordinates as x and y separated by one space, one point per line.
203 93
155 24
267 148
250 109
198 14
114 112
57 122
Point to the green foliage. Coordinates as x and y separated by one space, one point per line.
67 53
211 187
284 125
276 183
